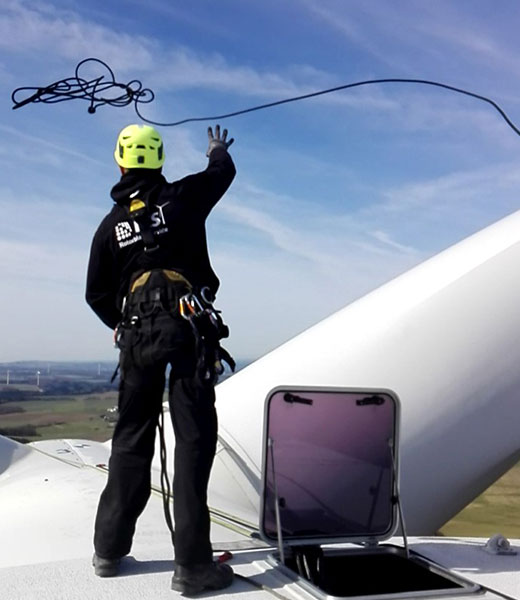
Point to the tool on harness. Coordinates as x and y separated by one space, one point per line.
209 329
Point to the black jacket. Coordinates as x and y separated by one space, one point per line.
178 213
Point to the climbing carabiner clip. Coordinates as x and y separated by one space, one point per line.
189 306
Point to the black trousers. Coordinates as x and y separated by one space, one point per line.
192 408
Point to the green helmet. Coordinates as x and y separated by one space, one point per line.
139 147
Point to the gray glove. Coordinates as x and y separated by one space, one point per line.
217 141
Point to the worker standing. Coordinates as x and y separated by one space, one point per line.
150 279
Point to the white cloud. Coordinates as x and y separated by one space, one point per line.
40 263
473 39
400 225
466 190
184 69
56 151
280 235
184 154
387 29
49 320
29 27
385 239
292 229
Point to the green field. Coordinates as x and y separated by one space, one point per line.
19 387
60 417
495 511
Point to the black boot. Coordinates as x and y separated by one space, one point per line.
193 580
105 567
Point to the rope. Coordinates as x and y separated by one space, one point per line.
165 481
97 92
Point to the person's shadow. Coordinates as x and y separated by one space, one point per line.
130 566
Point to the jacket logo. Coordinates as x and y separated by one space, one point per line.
128 232
123 231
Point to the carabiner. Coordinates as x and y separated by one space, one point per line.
207 295
189 306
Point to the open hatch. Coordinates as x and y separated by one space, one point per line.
330 497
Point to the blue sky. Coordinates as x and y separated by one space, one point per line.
334 196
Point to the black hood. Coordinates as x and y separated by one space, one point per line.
137 181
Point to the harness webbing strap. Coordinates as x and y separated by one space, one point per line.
140 213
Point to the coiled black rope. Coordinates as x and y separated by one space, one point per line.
93 90
133 92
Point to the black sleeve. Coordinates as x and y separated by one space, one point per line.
210 185
102 280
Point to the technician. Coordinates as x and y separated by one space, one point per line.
150 279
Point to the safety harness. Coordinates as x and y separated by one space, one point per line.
152 330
